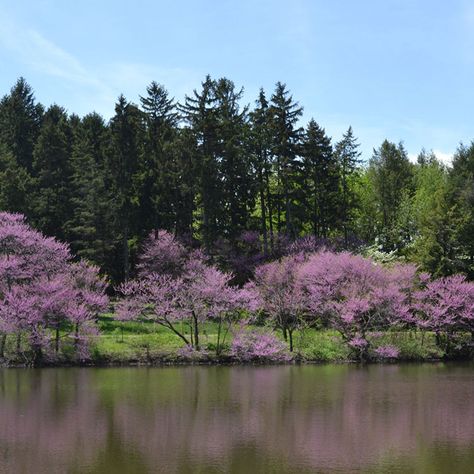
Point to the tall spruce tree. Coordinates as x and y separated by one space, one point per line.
157 186
200 115
52 173
88 228
123 169
183 173
348 156
20 121
234 163
286 134
319 187
261 152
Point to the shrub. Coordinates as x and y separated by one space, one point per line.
258 346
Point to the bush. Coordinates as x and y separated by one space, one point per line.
252 345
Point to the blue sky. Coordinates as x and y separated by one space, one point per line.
396 69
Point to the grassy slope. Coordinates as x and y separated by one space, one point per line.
130 341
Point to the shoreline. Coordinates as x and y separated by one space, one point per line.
224 362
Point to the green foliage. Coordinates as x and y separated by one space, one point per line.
413 346
321 346
211 169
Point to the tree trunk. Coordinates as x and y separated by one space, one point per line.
196 331
37 355
3 341
56 340
126 255
290 333
264 214
218 347
76 337
270 210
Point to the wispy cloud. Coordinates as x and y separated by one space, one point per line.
99 87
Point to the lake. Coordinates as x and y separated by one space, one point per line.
281 419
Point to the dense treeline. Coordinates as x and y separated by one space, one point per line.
237 180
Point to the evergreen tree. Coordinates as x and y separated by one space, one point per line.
20 121
461 201
392 176
199 113
261 153
184 182
52 171
285 114
157 184
234 163
123 168
348 156
88 228
320 192
15 183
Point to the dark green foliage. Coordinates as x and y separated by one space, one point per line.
123 178
212 169
224 190
348 157
199 113
15 183
52 172
320 181
260 149
391 173
156 173
286 134
89 225
461 201
20 121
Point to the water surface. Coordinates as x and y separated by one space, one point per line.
287 419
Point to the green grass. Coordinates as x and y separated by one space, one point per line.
321 345
412 345
145 342
127 341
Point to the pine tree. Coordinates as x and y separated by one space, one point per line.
156 195
52 172
319 187
461 201
20 121
348 156
234 163
88 229
123 167
285 114
199 113
15 183
261 153
184 183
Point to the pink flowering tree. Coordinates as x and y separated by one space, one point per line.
163 254
42 293
446 307
279 294
354 295
189 294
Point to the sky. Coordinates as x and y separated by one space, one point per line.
396 69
